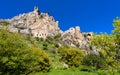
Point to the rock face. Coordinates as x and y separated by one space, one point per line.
72 36
34 23
75 38
41 25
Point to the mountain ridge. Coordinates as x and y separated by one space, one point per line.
42 25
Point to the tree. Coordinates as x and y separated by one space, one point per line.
71 56
93 60
116 31
17 56
107 48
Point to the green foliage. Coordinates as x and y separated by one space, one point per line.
39 39
93 60
41 62
104 41
86 69
102 72
72 56
57 37
49 39
55 45
116 30
45 46
107 48
116 33
18 57
76 72
4 23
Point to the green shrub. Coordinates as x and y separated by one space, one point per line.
49 39
86 68
103 72
71 56
18 57
57 37
108 50
93 60
45 46
4 23
41 62
39 39
56 45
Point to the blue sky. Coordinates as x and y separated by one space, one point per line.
90 15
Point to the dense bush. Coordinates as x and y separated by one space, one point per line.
107 48
45 46
71 56
41 62
93 60
18 57
116 31
86 68
57 37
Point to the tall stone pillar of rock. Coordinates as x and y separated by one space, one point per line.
36 10
77 29
78 34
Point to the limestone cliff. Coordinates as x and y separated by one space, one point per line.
35 23
42 25
75 38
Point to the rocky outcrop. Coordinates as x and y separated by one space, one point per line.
3 24
42 25
75 38
72 36
35 23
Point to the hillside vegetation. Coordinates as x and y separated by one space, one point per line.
23 55
19 56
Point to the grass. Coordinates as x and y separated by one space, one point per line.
66 72
73 72
4 23
57 65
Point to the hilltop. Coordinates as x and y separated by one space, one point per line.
42 25
32 43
